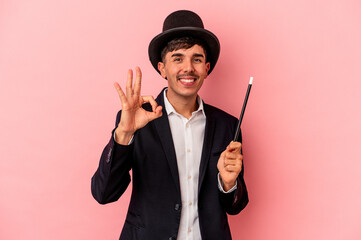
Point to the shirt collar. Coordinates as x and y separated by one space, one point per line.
170 109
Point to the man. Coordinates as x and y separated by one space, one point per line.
187 172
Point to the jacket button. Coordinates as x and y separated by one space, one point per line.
177 207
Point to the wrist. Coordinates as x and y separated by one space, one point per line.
228 186
122 137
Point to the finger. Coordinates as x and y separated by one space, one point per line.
233 162
121 94
233 155
234 147
138 80
231 168
151 100
156 114
129 87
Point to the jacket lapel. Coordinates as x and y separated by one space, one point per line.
207 145
163 129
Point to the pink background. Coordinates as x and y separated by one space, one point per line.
301 130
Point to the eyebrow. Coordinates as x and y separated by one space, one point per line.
180 55
177 55
198 55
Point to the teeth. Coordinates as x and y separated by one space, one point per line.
187 80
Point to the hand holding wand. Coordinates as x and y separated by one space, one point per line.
243 109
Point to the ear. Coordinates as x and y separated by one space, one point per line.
208 66
162 69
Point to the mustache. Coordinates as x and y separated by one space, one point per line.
188 75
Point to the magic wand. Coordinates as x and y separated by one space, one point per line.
243 109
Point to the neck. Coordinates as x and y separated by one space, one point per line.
183 106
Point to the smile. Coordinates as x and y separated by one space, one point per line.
187 80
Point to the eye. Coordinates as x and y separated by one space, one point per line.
198 60
178 59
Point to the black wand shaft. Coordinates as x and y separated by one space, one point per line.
243 109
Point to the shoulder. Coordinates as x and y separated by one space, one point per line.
216 113
224 123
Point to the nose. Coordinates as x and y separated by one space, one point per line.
188 66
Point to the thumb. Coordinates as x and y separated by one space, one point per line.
234 147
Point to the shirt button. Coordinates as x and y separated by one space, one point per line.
189 230
190 203
188 150
177 207
189 177
187 125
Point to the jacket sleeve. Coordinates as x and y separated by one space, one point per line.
112 177
237 200
234 202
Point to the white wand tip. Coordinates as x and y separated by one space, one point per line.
251 80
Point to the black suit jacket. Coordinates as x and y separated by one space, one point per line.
155 206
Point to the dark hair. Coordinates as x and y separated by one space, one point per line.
182 43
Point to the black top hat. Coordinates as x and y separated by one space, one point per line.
184 23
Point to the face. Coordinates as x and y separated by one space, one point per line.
185 70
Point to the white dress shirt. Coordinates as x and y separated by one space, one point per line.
188 135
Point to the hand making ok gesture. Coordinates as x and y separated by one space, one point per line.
133 115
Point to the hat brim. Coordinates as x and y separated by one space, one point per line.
159 42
